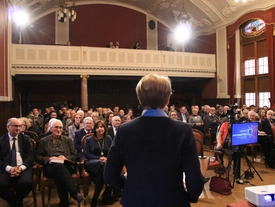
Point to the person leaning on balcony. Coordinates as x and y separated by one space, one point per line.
156 150
136 46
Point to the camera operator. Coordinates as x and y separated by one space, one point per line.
224 139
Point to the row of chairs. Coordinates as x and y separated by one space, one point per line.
82 178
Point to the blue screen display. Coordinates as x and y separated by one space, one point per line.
244 133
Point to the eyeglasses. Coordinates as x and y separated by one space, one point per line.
16 126
173 115
77 117
57 127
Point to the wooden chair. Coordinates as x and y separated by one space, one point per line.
254 148
35 172
204 161
32 135
199 142
85 177
50 182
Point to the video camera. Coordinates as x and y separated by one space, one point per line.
231 112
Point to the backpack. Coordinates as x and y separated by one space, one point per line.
271 161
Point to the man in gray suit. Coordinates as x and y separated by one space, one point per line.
56 153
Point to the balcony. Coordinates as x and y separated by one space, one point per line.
72 60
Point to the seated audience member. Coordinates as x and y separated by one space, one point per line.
116 110
138 110
59 147
46 114
196 121
130 113
121 113
69 121
166 110
136 46
33 127
111 131
65 118
96 151
81 113
219 111
211 122
53 114
262 115
88 124
95 116
265 139
16 160
109 117
267 124
244 116
183 115
90 113
24 125
38 118
75 126
125 118
142 146
174 115
104 113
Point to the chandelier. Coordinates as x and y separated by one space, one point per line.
184 24
66 11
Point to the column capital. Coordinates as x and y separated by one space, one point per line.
84 77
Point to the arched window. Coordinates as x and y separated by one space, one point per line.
255 79
254 27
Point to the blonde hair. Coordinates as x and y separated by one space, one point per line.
154 91
25 121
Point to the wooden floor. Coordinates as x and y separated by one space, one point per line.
207 198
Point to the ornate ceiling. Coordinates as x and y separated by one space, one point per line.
205 15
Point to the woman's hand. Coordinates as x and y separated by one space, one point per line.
103 159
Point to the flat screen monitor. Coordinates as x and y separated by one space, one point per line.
244 133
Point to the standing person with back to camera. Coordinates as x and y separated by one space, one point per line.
156 151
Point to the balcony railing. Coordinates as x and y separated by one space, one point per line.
71 60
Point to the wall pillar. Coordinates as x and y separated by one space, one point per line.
84 92
221 47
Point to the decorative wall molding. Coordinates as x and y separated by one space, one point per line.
65 60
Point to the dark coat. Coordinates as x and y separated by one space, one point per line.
110 132
156 151
266 127
26 151
45 149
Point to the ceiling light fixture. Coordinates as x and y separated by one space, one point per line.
183 19
66 11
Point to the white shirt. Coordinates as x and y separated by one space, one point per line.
19 160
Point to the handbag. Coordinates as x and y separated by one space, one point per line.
220 185
109 196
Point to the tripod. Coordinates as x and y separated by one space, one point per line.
237 165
